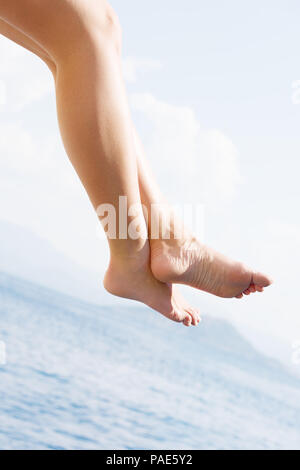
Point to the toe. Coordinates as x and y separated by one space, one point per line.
187 320
185 308
195 316
259 289
261 280
198 316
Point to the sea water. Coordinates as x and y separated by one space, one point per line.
78 376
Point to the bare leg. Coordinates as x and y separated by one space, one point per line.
111 153
187 261
82 40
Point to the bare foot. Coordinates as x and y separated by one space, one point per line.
192 263
131 278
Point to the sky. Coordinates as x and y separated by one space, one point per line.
214 89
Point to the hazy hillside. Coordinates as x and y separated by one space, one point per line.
24 254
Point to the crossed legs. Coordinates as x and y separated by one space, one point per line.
80 42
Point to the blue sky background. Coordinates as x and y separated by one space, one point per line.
210 85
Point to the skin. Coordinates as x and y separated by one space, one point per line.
80 42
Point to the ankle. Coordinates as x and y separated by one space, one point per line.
129 252
125 269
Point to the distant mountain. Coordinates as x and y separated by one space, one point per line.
24 254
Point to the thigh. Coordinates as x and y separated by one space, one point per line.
53 24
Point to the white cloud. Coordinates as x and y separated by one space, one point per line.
196 164
132 66
24 76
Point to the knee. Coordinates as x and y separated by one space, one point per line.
109 27
101 24
93 24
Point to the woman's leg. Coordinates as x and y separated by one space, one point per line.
82 39
185 262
